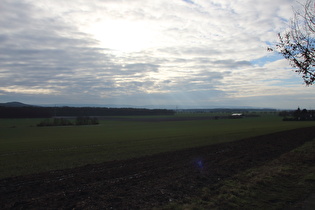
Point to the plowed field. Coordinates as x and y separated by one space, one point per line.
146 182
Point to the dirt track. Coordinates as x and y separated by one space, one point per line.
145 182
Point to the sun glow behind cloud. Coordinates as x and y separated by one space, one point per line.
123 35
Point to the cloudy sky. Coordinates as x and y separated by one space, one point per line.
183 53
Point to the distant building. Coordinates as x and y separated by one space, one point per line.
237 115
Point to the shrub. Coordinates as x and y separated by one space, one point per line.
86 121
55 122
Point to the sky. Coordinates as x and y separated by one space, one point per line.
179 53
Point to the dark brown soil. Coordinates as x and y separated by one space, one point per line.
146 182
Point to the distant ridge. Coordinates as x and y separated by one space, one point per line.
14 104
170 107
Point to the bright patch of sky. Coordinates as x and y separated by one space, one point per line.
183 53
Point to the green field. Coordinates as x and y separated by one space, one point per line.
25 148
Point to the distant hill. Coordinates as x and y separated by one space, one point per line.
14 104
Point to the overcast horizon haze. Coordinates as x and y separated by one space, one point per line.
184 53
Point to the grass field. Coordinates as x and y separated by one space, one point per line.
26 149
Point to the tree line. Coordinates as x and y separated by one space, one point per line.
67 122
298 115
47 112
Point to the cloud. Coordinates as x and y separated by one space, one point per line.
141 52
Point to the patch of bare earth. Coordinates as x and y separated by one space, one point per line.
147 182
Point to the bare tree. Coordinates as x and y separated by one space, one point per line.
298 44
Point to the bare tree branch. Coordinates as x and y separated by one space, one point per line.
298 45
